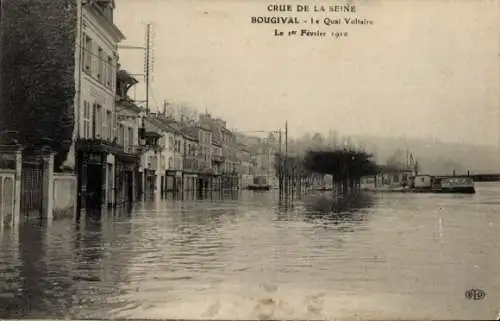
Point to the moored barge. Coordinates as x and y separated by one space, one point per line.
433 184
462 185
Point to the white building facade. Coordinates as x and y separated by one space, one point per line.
95 131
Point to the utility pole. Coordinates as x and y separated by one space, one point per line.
286 138
286 157
279 141
146 75
147 57
280 165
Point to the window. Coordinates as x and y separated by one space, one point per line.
100 66
121 135
126 142
94 121
104 130
130 136
87 54
109 125
171 143
109 77
86 119
98 121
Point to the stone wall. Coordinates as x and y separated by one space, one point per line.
65 195
7 195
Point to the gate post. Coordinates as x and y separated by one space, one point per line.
48 188
13 153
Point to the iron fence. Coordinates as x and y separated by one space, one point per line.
32 182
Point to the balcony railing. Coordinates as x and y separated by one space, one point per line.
190 164
98 145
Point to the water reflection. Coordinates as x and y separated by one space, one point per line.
33 283
88 247
352 208
53 269
201 195
32 269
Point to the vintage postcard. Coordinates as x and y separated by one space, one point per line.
250 160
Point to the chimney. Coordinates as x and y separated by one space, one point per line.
164 107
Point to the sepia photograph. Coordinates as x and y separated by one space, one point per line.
249 160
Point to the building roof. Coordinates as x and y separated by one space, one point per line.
170 124
227 131
107 2
151 124
160 124
166 124
128 105
190 133
97 9
205 127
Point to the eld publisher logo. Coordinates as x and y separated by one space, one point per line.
475 294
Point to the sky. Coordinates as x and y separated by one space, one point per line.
425 68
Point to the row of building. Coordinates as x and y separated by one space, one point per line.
124 152
148 155
119 151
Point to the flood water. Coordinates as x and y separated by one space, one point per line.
248 257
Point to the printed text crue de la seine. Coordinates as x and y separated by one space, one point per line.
312 20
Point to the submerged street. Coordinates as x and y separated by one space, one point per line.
244 255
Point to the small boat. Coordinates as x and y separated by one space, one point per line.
432 184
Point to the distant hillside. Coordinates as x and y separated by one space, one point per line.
436 157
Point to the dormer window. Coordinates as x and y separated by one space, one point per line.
107 7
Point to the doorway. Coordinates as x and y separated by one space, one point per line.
94 186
